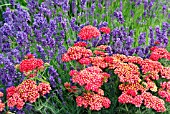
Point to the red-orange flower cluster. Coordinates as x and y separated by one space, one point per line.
158 53
30 66
105 30
89 32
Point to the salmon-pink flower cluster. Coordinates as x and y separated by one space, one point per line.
158 53
76 53
99 61
105 30
27 91
135 92
165 72
2 105
94 101
164 91
128 72
154 102
145 98
44 88
85 61
88 32
92 78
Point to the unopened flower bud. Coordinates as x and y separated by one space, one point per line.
17 66
46 64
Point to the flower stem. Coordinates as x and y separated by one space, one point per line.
126 107
89 111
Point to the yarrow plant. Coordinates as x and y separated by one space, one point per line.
137 77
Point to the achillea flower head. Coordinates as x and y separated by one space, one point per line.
164 91
95 101
132 88
89 32
154 102
98 61
2 106
28 91
76 53
30 64
67 85
92 78
105 30
15 100
1 94
158 53
137 100
29 56
165 72
44 88
125 98
10 91
85 61
66 57
128 72
149 66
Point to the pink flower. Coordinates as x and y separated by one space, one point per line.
10 91
2 106
137 101
105 30
84 61
44 88
65 57
124 98
131 92
30 64
95 101
89 32
92 78
1 94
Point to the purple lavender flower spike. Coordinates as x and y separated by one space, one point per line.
83 4
151 36
142 38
